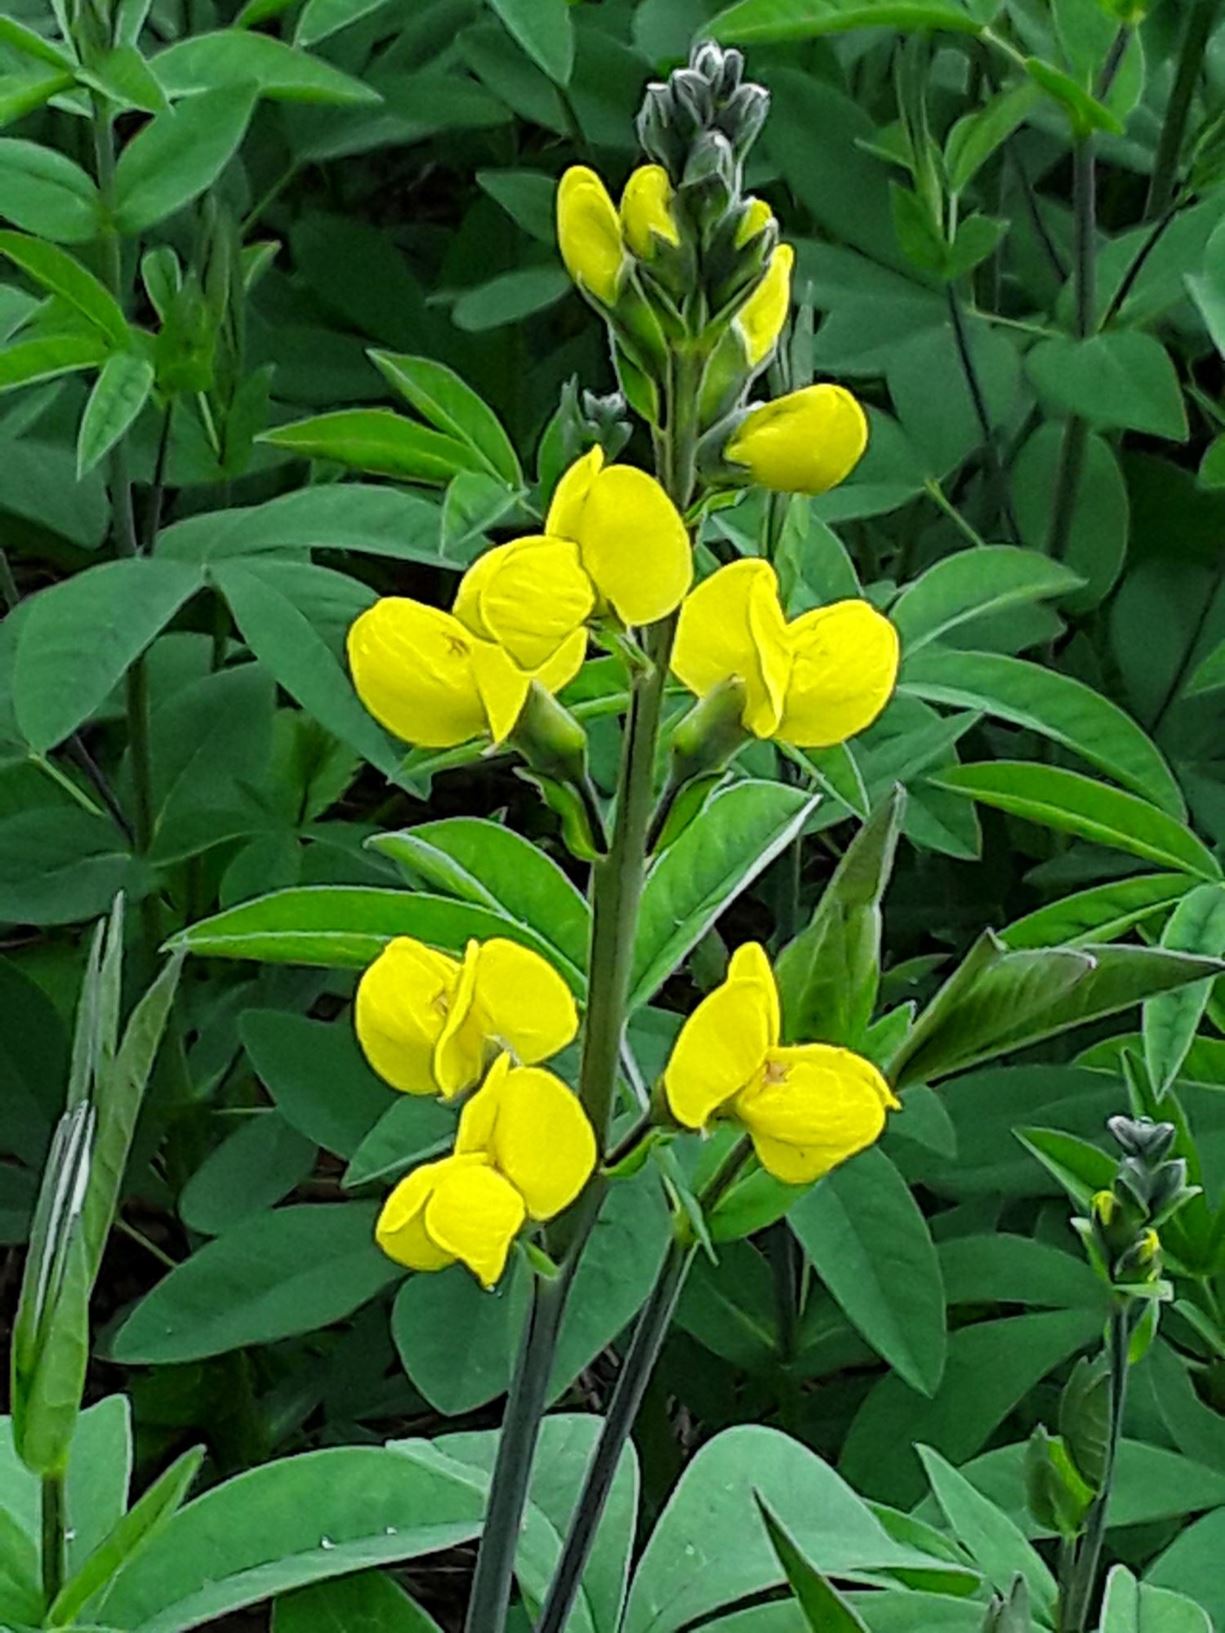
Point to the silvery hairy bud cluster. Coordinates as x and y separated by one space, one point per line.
701 123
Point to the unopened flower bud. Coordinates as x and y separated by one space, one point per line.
805 442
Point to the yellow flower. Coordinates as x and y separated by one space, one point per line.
524 1150
430 1024
528 596
813 682
589 233
756 218
631 540
646 212
805 442
434 682
760 320
806 1107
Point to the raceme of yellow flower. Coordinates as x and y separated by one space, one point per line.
806 1107
524 1150
760 320
631 539
805 442
430 1024
812 682
646 212
589 234
435 682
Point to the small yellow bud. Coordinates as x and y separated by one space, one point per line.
806 1108
1104 1204
805 442
646 210
760 320
1148 1247
756 218
589 234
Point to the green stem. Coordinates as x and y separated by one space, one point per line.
1076 431
53 1536
998 476
1178 109
616 892
632 1380
1076 1603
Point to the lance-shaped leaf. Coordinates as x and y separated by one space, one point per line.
822 1606
1197 925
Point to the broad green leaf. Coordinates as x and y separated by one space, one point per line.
494 867
44 192
280 1273
344 927
1085 113
823 1607
510 297
120 392
15 34
828 976
527 197
545 31
869 1243
1101 515
132 1532
366 1603
1197 925
979 134
233 58
412 1130
1192 1565
63 275
1121 379
59 865
126 79
992 1366
1043 700
179 154
1009 1269
273 602
1082 1169
353 516
379 441
720 853
255 1166
758 21
317 1077
452 407
80 637
21 1598
321 1514
1075 804
1210 674
1136 1607
27 362
319 19
991 1539
972 584
704 1553
1101 913
456 1340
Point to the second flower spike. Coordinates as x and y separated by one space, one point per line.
430 1024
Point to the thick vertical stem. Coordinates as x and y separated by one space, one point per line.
998 476
53 1536
1174 127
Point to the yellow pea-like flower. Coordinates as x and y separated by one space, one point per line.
646 210
631 539
529 596
813 682
430 1024
756 218
806 1107
805 442
589 234
524 1150
760 320
435 682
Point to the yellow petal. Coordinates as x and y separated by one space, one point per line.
412 668
565 662
532 1128
570 495
844 668
646 212
525 1005
474 1214
805 442
528 596
462 1046
634 545
760 320
589 233
400 1230
724 1042
732 625
750 963
756 218
400 1010
502 687
811 1108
